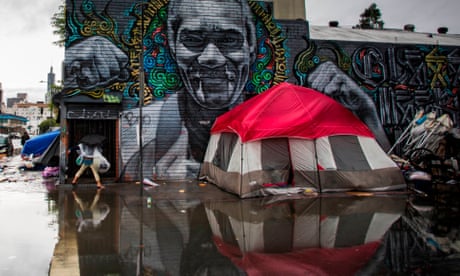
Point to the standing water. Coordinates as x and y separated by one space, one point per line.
29 229
193 228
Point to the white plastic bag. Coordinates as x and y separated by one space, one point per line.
101 162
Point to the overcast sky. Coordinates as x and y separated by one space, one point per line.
426 15
27 50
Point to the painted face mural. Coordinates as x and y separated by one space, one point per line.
202 57
199 59
213 48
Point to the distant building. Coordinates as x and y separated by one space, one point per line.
20 98
35 113
12 124
49 86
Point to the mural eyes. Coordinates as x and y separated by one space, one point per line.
231 40
198 41
192 41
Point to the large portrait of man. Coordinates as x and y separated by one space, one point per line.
213 44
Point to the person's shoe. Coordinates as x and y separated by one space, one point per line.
100 186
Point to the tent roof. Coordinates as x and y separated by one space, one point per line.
288 110
38 144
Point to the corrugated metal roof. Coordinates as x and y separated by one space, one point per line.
383 36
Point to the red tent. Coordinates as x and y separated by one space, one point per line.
288 110
295 138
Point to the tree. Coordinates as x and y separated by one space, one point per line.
46 125
58 23
55 89
370 18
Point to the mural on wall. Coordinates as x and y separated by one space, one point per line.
400 80
223 56
199 62
201 58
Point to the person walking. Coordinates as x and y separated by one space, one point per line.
90 216
25 136
86 159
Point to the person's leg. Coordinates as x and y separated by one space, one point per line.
79 173
96 176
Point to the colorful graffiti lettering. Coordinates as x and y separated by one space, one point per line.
400 79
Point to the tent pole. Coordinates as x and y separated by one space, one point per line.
318 179
241 167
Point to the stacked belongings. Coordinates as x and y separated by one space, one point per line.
425 147
427 134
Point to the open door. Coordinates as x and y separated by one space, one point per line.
107 128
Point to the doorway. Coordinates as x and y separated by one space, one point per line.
80 128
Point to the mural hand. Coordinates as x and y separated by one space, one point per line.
94 62
333 82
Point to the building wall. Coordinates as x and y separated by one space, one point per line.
35 114
383 83
401 79
289 9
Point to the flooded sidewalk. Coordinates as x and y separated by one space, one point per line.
186 228
191 227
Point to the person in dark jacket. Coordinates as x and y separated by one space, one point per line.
25 136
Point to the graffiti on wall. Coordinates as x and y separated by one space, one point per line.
223 56
400 79
103 50
199 60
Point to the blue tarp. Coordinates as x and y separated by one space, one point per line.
38 144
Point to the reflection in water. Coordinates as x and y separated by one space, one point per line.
28 232
330 235
426 240
184 237
90 216
319 236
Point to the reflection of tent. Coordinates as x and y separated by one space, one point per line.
318 236
297 138
37 145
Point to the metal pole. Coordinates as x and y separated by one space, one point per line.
140 271
141 102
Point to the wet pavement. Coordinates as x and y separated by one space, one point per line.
193 228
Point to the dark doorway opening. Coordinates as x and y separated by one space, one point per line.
80 128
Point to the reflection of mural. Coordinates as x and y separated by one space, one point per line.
226 53
312 236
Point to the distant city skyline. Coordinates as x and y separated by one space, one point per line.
34 94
